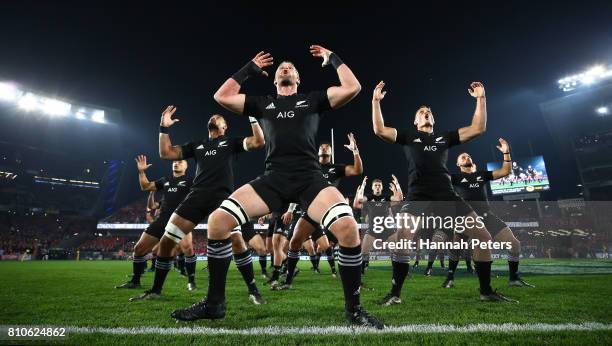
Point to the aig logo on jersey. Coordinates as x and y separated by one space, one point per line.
210 152
430 148
285 115
474 186
172 189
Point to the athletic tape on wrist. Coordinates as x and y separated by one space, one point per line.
249 70
163 129
335 60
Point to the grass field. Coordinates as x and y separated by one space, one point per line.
569 294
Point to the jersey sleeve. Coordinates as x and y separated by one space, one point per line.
405 136
455 178
253 106
453 138
187 150
159 184
487 175
237 144
319 101
340 170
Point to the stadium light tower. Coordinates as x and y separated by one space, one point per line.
603 110
9 92
589 77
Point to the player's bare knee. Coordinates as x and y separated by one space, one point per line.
220 225
346 231
238 245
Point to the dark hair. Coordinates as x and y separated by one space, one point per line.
376 181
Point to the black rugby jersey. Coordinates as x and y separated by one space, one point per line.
427 154
472 186
290 125
215 162
333 172
174 190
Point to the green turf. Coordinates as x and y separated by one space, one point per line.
81 294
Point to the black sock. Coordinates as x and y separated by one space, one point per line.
317 259
153 260
364 263
262 262
483 269
138 265
190 267
442 262
513 268
430 264
180 263
283 269
313 260
416 263
219 258
468 263
452 267
244 262
330 259
162 267
349 263
400 271
292 260
272 259
275 273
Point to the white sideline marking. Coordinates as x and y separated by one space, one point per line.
411 328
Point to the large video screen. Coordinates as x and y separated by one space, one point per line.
527 175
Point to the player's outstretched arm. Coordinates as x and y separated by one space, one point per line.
142 166
229 95
349 85
256 141
388 134
479 120
506 167
359 197
167 151
395 187
357 167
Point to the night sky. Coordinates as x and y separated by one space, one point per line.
139 59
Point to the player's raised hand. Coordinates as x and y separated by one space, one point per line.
166 118
503 146
379 94
476 89
392 187
394 180
141 163
318 51
352 146
263 60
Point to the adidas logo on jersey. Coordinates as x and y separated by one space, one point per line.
201 146
222 144
464 180
271 106
167 183
418 140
